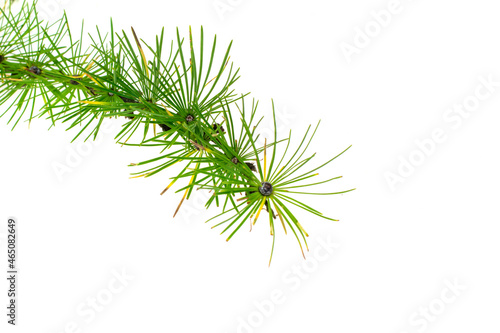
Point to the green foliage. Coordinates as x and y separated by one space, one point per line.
175 96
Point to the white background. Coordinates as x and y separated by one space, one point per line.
397 247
